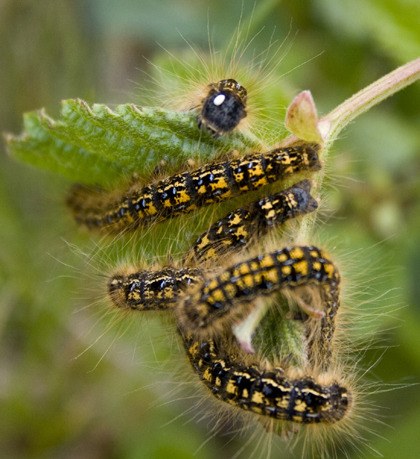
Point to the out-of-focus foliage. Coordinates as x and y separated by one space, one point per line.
56 405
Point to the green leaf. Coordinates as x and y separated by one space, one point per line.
98 145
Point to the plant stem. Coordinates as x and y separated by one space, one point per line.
332 124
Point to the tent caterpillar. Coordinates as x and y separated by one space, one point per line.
188 191
268 393
237 229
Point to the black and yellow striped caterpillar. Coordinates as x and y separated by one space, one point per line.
240 227
188 191
220 297
271 393
214 302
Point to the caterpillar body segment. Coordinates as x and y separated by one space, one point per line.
238 228
223 108
230 294
151 290
268 393
188 191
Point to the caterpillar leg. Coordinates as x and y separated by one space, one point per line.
186 192
240 227
266 393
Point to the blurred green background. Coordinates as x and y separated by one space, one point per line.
70 385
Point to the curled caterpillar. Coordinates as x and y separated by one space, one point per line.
186 192
267 392
239 227
223 107
233 291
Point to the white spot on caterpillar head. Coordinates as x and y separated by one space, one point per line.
218 100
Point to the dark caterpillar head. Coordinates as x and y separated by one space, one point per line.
313 403
302 199
223 108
